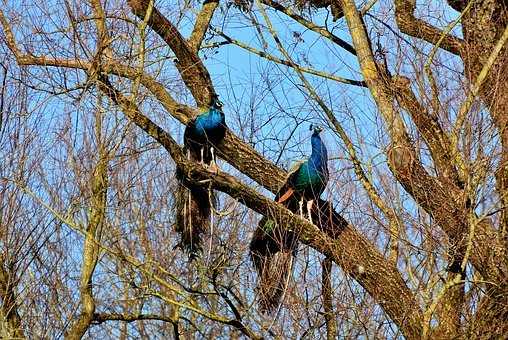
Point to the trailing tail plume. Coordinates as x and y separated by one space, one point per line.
273 247
194 203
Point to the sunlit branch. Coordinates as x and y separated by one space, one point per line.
291 64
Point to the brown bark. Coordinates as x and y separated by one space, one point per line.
409 24
327 295
483 26
9 307
443 197
190 66
99 185
202 23
430 128
346 246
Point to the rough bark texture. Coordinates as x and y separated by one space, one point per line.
9 309
191 68
327 295
483 26
98 200
444 196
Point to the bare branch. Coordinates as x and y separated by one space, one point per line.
202 24
310 25
409 24
326 293
292 64
191 68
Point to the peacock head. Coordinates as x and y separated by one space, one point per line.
215 102
316 129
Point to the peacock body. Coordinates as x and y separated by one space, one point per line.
307 179
273 247
205 132
194 203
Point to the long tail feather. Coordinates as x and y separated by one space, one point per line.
193 210
272 251
192 217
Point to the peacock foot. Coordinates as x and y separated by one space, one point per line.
213 168
213 164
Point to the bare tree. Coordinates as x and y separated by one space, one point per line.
94 97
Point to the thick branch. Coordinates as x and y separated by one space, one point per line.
360 173
409 24
442 200
349 249
190 66
98 200
202 23
430 128
9 308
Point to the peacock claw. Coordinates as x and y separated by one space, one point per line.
213 164
213 168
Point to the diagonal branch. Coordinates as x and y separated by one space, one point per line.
190 66
202 24
337 239
429 127
409 24
291 64
347 247
310 25
441 199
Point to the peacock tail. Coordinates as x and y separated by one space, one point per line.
194 203
193 209
273 248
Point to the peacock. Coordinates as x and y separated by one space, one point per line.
194 203
273 247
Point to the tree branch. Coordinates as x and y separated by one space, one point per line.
202 24
409 24
441 199
291 64
327 294
98 201
310 25
429 127
190 66
9 307
348 248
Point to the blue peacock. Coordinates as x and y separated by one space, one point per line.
194 203
272 247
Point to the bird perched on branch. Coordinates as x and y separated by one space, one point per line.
194 203
273 247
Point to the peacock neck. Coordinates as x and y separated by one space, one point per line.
319 156
211 118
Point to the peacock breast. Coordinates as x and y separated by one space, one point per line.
309 177
209 122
